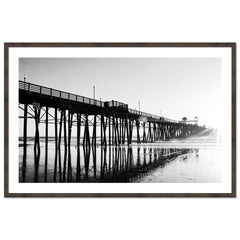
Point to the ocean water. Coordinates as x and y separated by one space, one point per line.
192 160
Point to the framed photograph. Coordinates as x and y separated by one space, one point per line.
120 119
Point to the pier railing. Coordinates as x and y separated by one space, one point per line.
144 114
30 87
54 93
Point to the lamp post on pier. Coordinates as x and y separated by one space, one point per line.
94 92
24 79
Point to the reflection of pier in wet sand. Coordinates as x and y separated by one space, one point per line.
114 164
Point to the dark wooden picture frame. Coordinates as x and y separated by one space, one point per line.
7 46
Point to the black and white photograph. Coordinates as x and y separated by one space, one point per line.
138 121
119 120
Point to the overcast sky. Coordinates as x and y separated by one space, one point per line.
178 86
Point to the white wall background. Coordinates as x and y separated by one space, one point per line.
104 21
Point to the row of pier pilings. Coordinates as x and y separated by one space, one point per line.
114 129
92 130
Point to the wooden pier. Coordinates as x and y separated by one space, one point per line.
111 121
115 119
